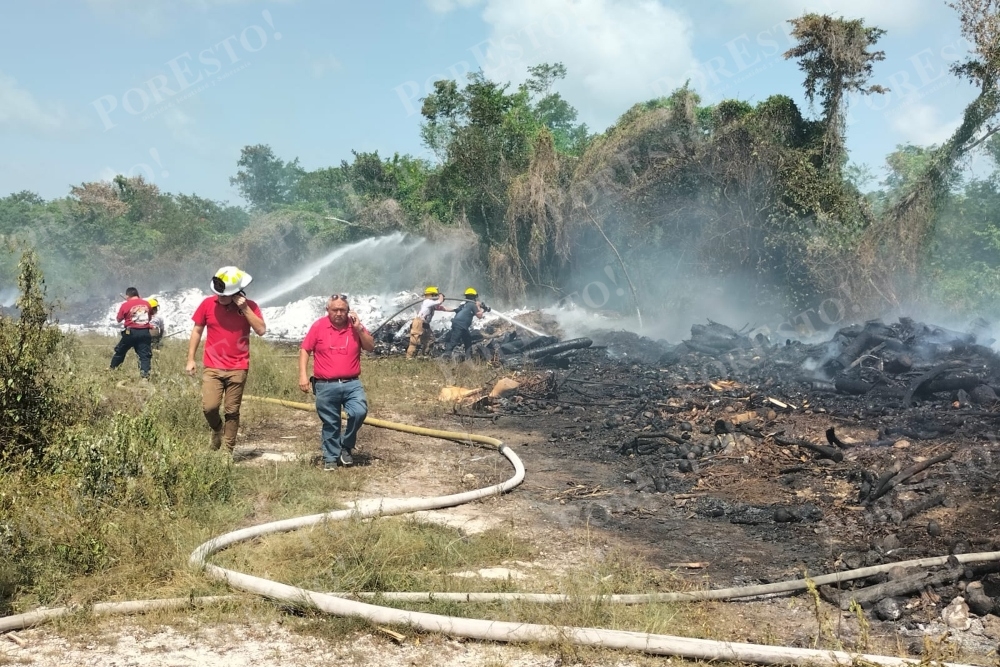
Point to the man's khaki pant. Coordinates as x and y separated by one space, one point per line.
421 337
218 385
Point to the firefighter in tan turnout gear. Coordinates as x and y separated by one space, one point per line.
421 336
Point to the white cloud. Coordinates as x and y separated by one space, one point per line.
919 123
615 51
19 110
444 6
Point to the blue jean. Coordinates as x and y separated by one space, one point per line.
139 340
459 336
331 398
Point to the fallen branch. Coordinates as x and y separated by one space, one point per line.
864 356
927 377
824 451
831 437
853 350
922 506
903 475
631 287
668 436
391 634
900 587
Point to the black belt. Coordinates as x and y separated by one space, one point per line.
318 380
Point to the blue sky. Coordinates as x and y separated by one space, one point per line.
173 89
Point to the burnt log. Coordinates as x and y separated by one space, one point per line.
919 383
953 383
947 336
861 342
831 437
721 344
851 330
704 349
846 385
824 451
519 345
897 588
905 474
714 329
922 506
572 344
891 343
897 363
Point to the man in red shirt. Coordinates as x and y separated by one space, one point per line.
335 343
229 316
134 315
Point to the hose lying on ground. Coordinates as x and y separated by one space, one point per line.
336 603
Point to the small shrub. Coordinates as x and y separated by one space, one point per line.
134 462
31 411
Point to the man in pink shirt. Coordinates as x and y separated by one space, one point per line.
335 343
229 317
134 316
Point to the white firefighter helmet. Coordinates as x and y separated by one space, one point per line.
229 280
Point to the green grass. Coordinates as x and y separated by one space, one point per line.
120 501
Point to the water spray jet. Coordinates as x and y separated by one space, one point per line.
516 323
313 269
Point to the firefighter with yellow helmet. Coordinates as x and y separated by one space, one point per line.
462 322
421 336
157 327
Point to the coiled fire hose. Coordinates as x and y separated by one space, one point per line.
498 631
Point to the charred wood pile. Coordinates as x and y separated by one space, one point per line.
880 438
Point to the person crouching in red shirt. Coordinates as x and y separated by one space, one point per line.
335 343
229 317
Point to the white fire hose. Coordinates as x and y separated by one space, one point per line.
499 631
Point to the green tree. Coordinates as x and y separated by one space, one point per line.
17 210
328 186
263 179
486 134
834 54
554 112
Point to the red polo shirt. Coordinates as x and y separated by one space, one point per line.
336 352
134 313
227 345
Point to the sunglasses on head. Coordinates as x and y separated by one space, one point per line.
338 297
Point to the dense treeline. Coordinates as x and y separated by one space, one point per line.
758 198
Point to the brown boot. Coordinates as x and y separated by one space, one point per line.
217 439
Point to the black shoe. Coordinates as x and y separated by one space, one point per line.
345 459
329 466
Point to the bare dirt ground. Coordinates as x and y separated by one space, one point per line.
575 507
